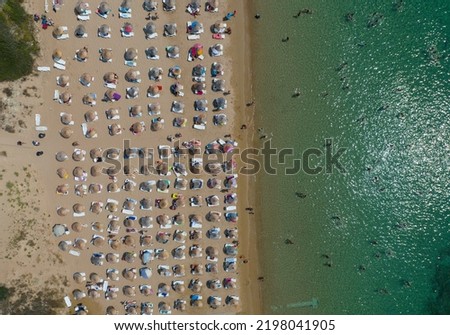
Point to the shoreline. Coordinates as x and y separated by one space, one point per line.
248 286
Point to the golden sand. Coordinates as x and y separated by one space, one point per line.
237 77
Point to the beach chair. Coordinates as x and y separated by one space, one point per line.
83 17
199 126
59 66
130 63
74 253
125 15
43 68
67 301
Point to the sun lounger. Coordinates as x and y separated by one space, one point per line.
153 96
130 63
63 37
60 61
59 66
43 68
218 36
105 285
125 15
112 201
125 34
104 36
37 119
78 215
151 36
67 301
74 253
195 225
103 16
83 17
110 85
84 128
230 208
199 126
41 128
62 114
127 211
199 79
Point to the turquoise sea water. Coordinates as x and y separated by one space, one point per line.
384 226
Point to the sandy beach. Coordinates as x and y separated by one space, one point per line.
132 234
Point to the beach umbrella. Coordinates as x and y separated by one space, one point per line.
127 27
177 107
180 201
62 189
179 236
145 272
214 302
66 97
79 277
79 208
105 55
195 285
197 303
126 4
228 147
163 255
230 182
129 257
179 219
213 216
96 206
230 249
112 113
162 237
89 99
213 168
146 290
130 54
111 310
178 270
104 30
212 251
57 54
219 27
115 129
59 230
196 184
197 269
104 8
214 284
129 291
97 259
232 300
128 205
62 173
77 227
198 88
66 132
170 29
91 133
112 95
216 69
80 243
213 183
175 71
113 227
178 253
111 295
220 120
128 186
201 105
81 7
146 203
196 51
132 76
66 118
80 190
163 203
150 28
163 288
78 155
63 245
151 52
80 31
98 227
163 219
110 77
218 85
132 92
162 168
176 89
94 277
112 258
82 54
112 274
198 70
90 116
229 283
131 310
181 184
96 170
136 111
155 73
146 240
86 79
145 186
173 51
154 108
150 5
113 188
113 153
145 221
96 154
213 233
78 172
180 305
195 218
195 27
216 50
163 306
129 241
157 125
195 251
115 244
146 257
129 274
63 80
58 31
153 90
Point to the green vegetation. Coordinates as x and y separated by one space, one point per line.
4 292
18 45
